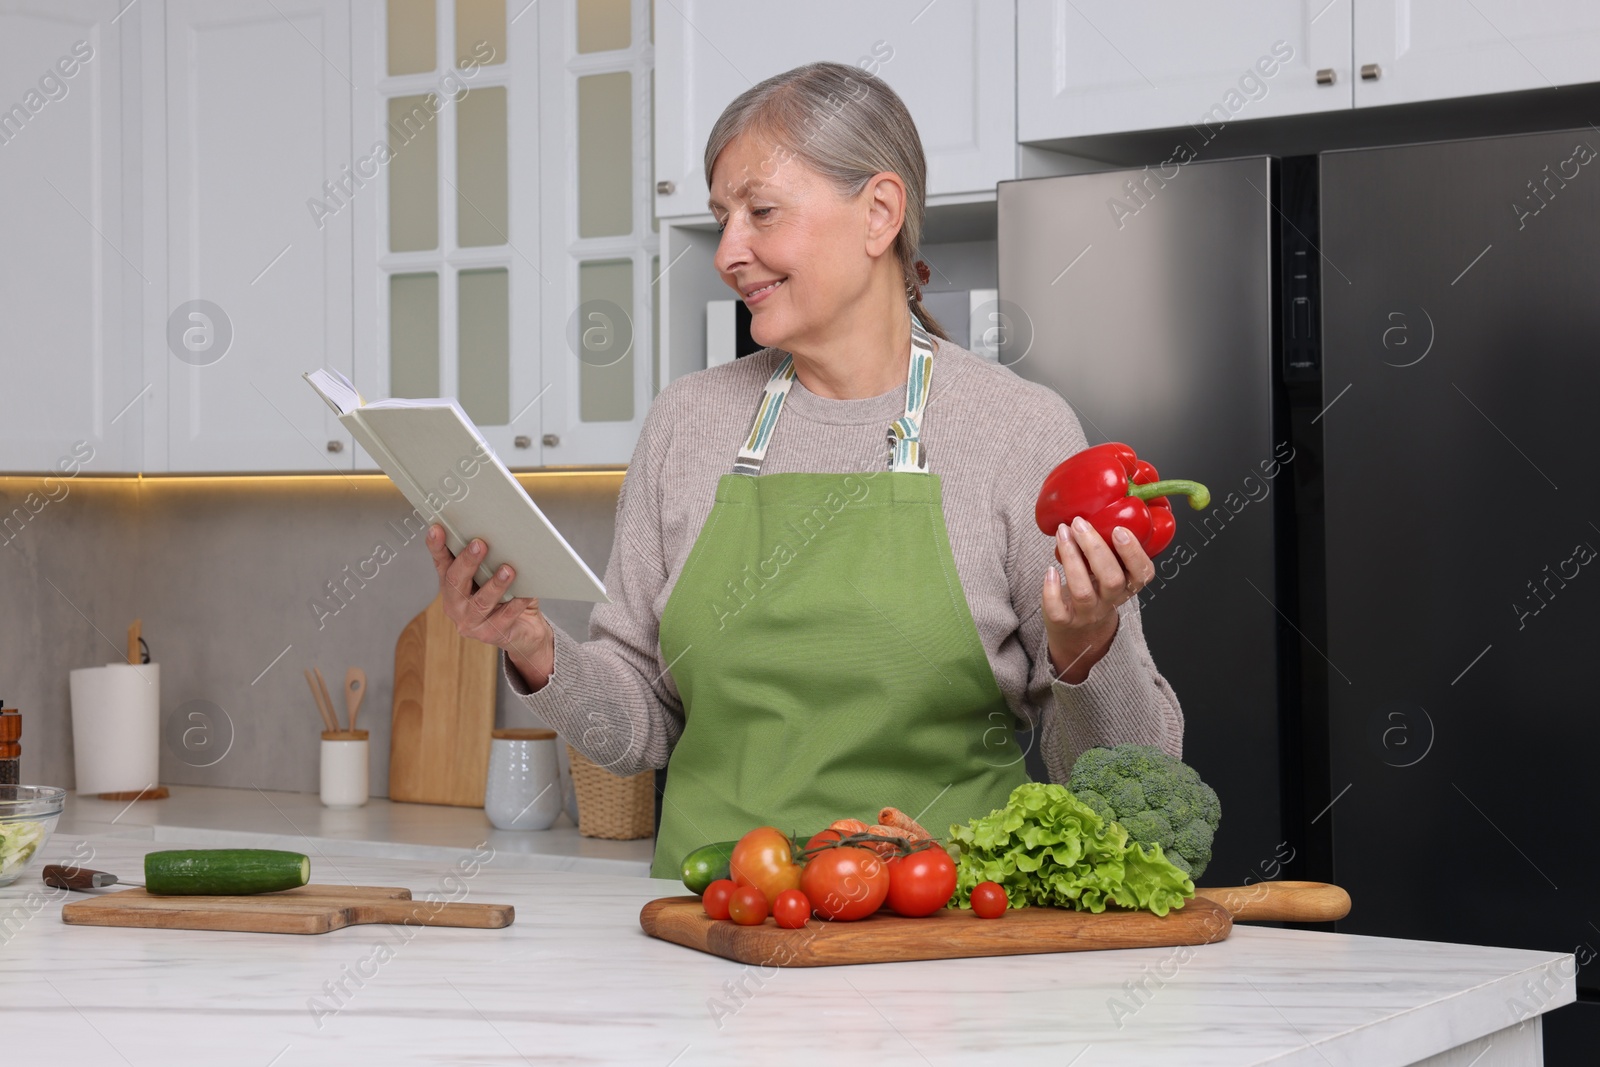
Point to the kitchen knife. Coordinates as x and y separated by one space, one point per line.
61 876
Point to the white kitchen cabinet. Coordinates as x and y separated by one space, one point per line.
246 118
1432 49
69 278
952 62
1100 66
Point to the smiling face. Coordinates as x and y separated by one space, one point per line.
811 255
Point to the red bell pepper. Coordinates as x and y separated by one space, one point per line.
1110 486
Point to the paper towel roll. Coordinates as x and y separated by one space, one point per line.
116 727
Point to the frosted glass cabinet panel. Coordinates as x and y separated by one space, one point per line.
605 154
481 31
605 341
483 318
481 204
414 335
604 25
412 41
413 174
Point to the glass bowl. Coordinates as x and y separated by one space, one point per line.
28 816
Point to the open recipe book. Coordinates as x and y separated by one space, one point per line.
433 452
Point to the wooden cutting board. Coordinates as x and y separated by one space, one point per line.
310 909
955 933
949 934
444 692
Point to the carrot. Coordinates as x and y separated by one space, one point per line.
903 825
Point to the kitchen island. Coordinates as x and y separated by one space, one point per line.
574 980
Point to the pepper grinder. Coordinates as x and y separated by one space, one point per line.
10 746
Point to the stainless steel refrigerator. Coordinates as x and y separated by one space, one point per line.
1385 364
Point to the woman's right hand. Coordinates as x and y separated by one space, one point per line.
517 626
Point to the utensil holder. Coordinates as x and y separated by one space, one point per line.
524 783
612 807
344 768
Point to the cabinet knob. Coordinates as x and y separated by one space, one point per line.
522 440
335 446
1370 72
1325 76
666 187
550 440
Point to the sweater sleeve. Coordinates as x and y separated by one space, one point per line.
609 697
1123 699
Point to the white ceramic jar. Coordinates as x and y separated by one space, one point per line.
524 789
344 768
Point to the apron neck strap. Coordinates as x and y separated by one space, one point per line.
906 452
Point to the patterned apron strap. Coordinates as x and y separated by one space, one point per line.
906 452
766 420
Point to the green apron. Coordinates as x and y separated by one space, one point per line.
825 654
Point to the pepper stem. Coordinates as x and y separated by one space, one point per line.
1199 496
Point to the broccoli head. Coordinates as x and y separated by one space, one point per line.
1158 800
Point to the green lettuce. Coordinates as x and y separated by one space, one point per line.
1047 847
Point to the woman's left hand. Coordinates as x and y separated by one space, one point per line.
1080 616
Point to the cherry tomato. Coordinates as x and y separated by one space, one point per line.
748 906
921 883
763 858
791 909
989 900
715 898
845 883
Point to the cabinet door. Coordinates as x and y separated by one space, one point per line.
448 288
1432 50
256 139
952 62
598 256
68 277
1101 66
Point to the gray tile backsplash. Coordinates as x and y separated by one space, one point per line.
225 575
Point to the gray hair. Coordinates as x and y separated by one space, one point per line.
845 125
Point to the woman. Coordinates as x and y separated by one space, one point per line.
862 611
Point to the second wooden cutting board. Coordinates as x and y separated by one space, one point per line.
310 909
444 690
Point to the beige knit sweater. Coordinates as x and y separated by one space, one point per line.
990 436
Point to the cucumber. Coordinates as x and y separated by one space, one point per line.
224 871
706 864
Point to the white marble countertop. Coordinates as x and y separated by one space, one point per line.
252 818
574 980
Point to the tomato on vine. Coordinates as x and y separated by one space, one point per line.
922 882
845 883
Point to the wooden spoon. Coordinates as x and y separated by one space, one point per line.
355 687
1293 902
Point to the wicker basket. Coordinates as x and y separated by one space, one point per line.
620 809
